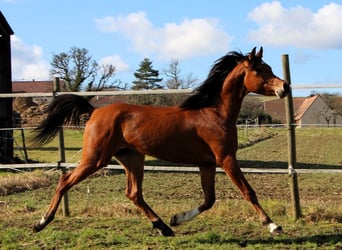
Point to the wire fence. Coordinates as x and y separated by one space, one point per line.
249 133
48 157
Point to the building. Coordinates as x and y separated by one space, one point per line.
312 111
36 87
6 142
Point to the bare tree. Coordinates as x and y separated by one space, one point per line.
331 99
190 81
175 80
327 114
77 68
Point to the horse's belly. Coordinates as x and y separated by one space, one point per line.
183 150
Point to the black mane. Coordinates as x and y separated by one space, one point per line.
206 94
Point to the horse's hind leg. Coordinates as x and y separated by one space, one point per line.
208 186
232 169
134 167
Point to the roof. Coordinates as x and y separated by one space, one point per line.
305 106
34 86
276 108
5 29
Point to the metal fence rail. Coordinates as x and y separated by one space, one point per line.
168 168
100 93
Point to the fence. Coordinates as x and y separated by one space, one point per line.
20 139
23 152
60 163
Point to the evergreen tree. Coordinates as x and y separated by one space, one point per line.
146 76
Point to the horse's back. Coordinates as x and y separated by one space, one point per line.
124 112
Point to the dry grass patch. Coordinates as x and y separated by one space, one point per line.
15 183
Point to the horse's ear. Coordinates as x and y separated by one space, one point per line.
259 54
251 55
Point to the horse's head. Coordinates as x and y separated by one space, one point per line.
259 77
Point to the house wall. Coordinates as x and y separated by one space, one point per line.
318 113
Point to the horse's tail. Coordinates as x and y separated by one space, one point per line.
63 109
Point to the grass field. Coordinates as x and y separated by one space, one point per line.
103 218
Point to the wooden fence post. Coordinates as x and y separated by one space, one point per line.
291 142
65 199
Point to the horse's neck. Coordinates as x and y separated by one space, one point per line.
232 96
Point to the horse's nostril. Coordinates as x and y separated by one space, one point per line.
286 87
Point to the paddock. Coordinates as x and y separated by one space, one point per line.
327 221
102 217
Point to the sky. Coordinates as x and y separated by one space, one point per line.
196 33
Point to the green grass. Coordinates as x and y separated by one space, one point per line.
315 148
103 218
49 153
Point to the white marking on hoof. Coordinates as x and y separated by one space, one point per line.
191 214
187 216
274 228
42 221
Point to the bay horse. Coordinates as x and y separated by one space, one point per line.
201 131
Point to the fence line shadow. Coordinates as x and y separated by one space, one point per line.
284 165
319 240
254 164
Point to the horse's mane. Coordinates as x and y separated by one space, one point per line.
206 94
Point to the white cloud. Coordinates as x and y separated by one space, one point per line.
191 38
116 61
298 26
27 61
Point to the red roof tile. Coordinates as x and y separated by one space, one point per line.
304 107
276 108
33 86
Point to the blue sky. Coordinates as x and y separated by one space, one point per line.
196 33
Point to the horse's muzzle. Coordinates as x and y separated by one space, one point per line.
283 91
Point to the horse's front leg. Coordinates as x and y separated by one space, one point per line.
208 186
134 167
233 170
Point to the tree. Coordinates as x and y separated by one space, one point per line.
147 77
327 114
78 70
175 79
332 100
252 110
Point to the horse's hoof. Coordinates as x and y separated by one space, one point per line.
275 229
163 228
37 228
174 221
167 232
